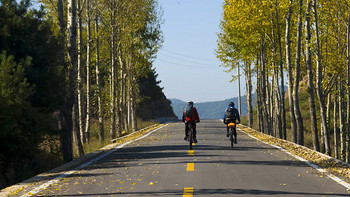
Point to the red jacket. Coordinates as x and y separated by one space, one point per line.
193 118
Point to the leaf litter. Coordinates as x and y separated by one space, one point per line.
326 162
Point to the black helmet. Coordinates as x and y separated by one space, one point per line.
190 102
231 104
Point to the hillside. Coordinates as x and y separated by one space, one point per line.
209 110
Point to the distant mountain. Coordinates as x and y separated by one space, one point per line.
209 110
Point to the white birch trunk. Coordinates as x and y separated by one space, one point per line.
98 84
311 88
88 73
290 77
72 58
298 117
79 78
319 88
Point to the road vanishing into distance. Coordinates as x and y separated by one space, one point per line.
162 165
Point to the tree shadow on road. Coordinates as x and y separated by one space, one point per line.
206 192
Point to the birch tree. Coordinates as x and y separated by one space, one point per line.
312 107
319 88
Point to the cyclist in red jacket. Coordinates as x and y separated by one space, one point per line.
190 116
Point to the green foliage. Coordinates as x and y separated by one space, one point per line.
153 102
31 83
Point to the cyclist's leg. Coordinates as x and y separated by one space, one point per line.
194 133
235 134
228 130
186 130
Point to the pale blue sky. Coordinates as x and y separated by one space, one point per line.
186 64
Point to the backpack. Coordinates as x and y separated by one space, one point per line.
188 111
230 114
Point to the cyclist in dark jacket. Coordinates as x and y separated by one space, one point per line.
231 115
193 119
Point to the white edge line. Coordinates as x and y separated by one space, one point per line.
309 163
55 180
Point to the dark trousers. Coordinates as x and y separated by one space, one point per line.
234 132
193 127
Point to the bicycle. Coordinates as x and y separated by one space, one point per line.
232 127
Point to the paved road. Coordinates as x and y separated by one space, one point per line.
161 165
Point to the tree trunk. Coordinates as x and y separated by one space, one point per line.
88 73
113 96
335 122
275 100
250 99
113 79
122 96
264 91
341 112
65 120
282 133
71 102
239 90
248 79
258 95
76 134
133 106
319 88
329 110
312 107
79 78
341 124
290 77
298 117
98 84
345 153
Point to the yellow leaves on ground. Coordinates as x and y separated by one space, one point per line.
317 158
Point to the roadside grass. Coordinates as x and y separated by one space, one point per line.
328 163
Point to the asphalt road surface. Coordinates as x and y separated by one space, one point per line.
162 165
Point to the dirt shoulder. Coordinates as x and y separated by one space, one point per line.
330 164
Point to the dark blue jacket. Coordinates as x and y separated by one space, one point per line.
234 111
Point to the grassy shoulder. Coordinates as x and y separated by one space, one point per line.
92 150
328 163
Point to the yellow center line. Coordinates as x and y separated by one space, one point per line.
190 166
191 152
188 192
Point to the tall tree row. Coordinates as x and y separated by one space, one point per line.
70 72
109 45
31 91
306 41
